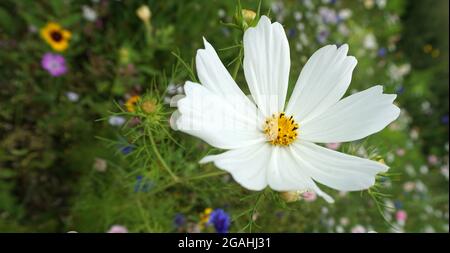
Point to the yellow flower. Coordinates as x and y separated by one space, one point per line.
56 36
131 103
204 217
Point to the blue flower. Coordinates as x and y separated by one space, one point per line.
382 52
221 221
444 119
398 204
291 33
400 90
179 220
126 150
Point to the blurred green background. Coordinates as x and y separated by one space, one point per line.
68 164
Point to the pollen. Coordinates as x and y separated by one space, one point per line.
280 129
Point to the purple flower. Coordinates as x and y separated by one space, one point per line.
400 90
322 36
118 229
221 220
444 120
179 220
55 64
382 52
126 149
291 32
329 16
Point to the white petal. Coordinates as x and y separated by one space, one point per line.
336 170
322 82
285 173
352 118
254 167
214 76
267 64
220 121
247 165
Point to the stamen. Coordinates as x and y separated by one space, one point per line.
281 130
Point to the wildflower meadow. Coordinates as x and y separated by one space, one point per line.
317 116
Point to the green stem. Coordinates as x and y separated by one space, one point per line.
148 33
258 200
206 175
160 158
199 177
238 63
143 216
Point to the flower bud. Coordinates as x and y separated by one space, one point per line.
291 196
148 106
248 15
144 13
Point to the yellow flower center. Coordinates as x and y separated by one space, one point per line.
280 129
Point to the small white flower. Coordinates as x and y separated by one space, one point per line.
429 229
344 221
72 96
329 16
221 13
345 14
308 4
271 144
424 169
370 42
298 16
116 120
381 3
339 229
89 14
398 72
343 29
358 229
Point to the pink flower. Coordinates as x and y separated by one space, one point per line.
409 186
358 229
344 221
55 64
333 146
309 196
401 216
118 229
432 160
400 152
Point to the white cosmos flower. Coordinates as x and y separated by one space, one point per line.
270 144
